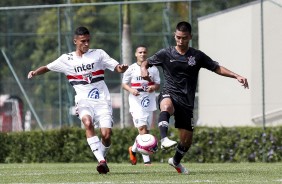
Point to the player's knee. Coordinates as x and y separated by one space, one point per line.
106 134
168 108
87 123
143 130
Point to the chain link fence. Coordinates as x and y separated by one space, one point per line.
33 36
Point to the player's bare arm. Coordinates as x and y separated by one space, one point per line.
38 71
121 68
144 70
130 90
227 73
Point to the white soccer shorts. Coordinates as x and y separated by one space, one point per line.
100 111
141 118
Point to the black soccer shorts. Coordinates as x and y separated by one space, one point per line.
182 115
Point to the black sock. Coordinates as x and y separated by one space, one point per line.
134 153
163 123
179 154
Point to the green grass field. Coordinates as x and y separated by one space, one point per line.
157 173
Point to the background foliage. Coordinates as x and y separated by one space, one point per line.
211 145
32 38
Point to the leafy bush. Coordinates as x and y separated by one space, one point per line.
210 145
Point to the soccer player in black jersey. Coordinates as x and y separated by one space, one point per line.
181 65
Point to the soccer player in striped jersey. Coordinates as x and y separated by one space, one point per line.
181 65
84 69
142 98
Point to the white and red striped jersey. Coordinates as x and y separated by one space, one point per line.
86 73
145 101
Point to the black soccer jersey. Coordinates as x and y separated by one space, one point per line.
181 72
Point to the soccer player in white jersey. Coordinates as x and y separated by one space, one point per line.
142 98
84 69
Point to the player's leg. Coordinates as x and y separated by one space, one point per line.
140 120
104 121
181 149
105 144
94 143
185 137
86 114
167 109
92 139
105 140
185 126
146 158
148 116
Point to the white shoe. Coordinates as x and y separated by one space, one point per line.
179 168
166 143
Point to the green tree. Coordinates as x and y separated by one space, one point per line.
30 38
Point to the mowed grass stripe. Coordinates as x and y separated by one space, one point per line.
126 173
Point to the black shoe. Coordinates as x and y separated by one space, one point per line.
102 167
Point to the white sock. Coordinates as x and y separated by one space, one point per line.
104 149
146 158
94 144
134 147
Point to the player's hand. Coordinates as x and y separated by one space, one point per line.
30 74
122 68
135 92
150 89
145 74
243 81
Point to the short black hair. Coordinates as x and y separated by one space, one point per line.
81 31
138 46
184 27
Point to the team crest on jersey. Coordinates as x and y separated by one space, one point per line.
94 93
144 86
191 61
87 77
145 102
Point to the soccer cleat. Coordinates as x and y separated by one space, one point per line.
132 156
102 167
166 143
179 168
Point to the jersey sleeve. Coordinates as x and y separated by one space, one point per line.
109 62
156 75
208 63
58 65
126 79
157 59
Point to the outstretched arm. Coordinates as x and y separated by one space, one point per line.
227 73
38 71
121 68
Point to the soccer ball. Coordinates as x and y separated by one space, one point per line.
147 144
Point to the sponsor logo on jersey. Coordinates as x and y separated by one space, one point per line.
145 101
191 61
139 78
94 93
83 67
172 60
